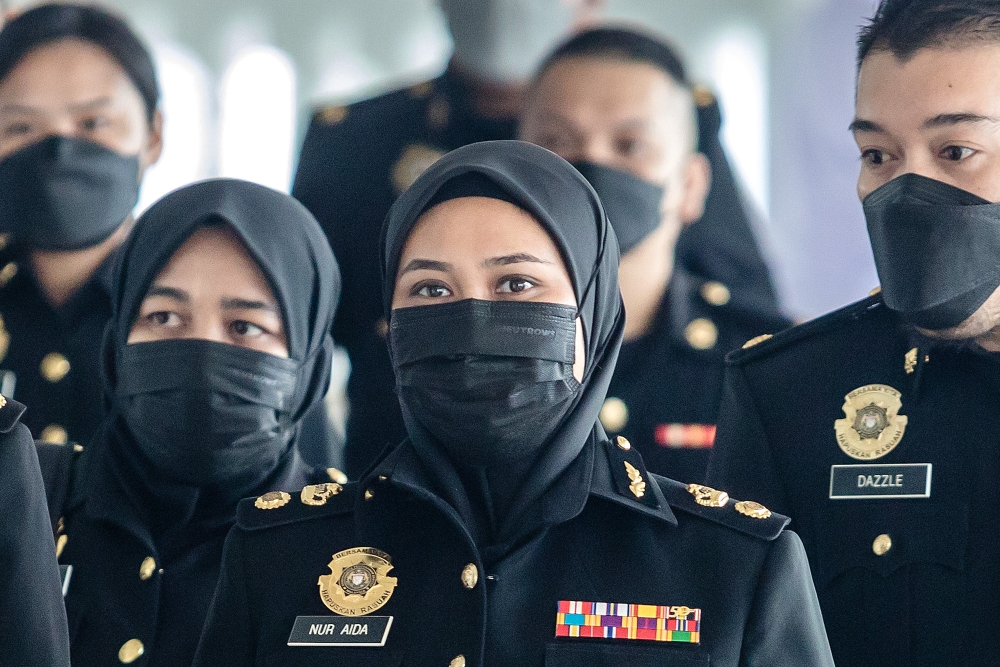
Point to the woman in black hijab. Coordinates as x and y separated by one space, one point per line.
501 530
219 343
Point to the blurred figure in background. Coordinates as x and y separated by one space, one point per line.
617 103
219 344
78 128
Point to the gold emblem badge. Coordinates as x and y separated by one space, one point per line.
707 496
872 425
317 494
272 500
415 160
637 486
751 509
358 582
4 339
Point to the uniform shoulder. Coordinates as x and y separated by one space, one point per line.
384 109
279 508
10 413
707 503
831 323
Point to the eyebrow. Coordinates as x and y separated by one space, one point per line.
516 258
941 120
81 106
169 292
248 304
433 265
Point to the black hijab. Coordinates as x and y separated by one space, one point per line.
294 256
561 200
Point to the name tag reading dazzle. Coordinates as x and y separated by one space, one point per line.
340 631
903 480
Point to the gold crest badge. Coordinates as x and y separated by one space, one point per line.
358 582
415 160
872 425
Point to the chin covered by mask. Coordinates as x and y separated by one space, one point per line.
66 194
632 204
490 380
504 41
936 248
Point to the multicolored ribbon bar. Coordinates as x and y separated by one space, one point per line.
628 621
685 436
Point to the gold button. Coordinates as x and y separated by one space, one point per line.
4 240
614 414
369 494
7 273
382 328
60 545
623 443
54 434
701 334
333 115
703 96
715 293
147 568
457 661
336 475
882 544
875 290
470 576
54 367
130 651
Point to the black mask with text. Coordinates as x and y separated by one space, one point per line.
490 380
936 247
63 193
204 412
631 204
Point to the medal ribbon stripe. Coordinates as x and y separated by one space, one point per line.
628 621
685 436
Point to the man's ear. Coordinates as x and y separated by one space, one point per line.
697 182
154 145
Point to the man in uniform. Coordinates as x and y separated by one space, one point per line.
617 103
356 160
876 427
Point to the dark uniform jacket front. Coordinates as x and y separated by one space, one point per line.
902 581
589 539
52 354
665 393
32 617
357 160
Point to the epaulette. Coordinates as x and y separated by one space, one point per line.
374 107
703 501
10 413
766 344
278 508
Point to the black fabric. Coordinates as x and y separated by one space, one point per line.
632 204
937 249
562 201
63 193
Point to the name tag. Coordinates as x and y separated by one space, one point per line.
340 631
65 572
903 480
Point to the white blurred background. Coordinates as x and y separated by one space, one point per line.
239 78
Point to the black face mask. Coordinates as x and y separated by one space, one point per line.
66 194
936 247
631 204
490 380
204 412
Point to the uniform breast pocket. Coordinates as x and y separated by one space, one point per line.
565 654
312 656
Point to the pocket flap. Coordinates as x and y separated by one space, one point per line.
599 654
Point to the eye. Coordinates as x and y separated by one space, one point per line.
247 329
163 318
514 285
93 123
957 153
873 157
629 146
430 290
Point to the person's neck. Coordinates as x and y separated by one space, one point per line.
490 99
643 275
61 273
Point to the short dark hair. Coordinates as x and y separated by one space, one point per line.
50 23
903 27
623 43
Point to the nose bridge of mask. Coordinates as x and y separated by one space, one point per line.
529 330
201 365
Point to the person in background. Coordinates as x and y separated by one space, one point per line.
617 103
79 126
876 427
32 614
218 345
507 529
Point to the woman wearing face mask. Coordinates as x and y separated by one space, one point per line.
79 126
218 345
500 531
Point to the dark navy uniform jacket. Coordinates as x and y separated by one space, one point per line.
32 616
357 159
667 386
902 580
52 354
131 598
456 604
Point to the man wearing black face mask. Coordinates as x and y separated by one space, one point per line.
875 427
78 127
618 104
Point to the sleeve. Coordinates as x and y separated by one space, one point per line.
227 638
742 462
32 612
785 625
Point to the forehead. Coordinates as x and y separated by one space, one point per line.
214 251
934 81
477 225
73 69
